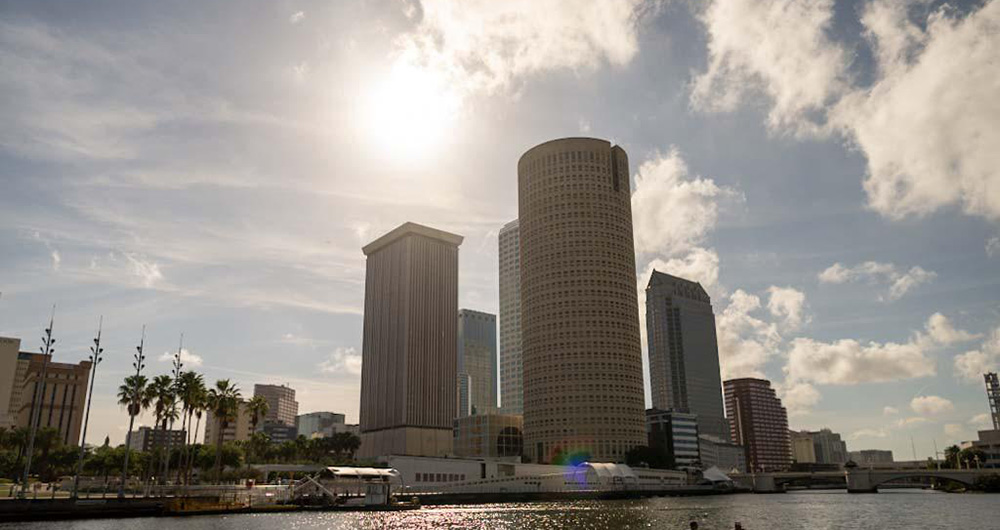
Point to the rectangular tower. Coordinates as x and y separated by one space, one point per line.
9 350
511 388
281 405
683 352
65 393
759 423
477 362
409 346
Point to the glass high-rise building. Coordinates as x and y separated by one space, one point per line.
683 352
511 387
583 386
477 363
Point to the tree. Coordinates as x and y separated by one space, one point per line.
224 405
951 457
257 407
972 457
190 390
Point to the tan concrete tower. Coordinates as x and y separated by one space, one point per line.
410 343
583 390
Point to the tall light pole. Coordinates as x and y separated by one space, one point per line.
173 407
138 363
36 407
95 359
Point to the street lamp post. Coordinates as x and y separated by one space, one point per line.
138 363
39 396
95 359
173 407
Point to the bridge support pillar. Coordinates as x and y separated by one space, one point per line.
764 483
860 481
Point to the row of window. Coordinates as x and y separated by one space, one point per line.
440 477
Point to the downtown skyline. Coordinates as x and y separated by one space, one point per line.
250 243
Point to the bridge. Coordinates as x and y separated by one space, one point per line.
857 480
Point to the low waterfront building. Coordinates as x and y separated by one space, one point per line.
723 454
675 434
871 456
989 443
149 438
279 432
489 435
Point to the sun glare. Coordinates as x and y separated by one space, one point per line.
411 113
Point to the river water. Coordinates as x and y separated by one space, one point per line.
909 509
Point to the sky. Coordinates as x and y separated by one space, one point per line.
828 171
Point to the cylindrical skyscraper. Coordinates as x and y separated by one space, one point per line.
583 393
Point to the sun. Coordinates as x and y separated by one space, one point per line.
410 114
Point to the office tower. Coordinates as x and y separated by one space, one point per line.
511 387
683 352
759 423
583 388
9 350
871 456
149 438
829 447
675 434
803 450
65 394
281 405
410 341
993 395
477 362
238 429
323 425
488 436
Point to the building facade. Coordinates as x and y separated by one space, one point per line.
489 436
989 443
803 450
477 362
683 351
511 365
281 405
65 394
148 438
723 454
9 350
323 425
871 456
676 434
582 358
279 432
239 429
993 396
830 448
759 423
409 344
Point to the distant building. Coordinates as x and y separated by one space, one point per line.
993 396
489 436
818 447
281 405
65 391
683 352
9 350
279 432
803 450
239 428
511 385
871 456
676 434
323 425
582 356
477 362
727 456
149 438
759 423
989 443
410 341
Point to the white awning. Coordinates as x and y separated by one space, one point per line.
361 472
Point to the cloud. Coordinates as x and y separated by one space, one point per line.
799 398
869 433
673 211
993 247
908 422
148 272
926 124
56 260
341 361
775 48
887 429
481 46
889 411
931 405
297 17
981 421
941 331
874 273
971 365
187 358
700 265
745 341
954 430
787 304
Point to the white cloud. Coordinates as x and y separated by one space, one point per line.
869 433
297 17
981 421
745 341
889 411
777 48
673 211
486 46
941 331
908 422
700 265
787 304
187 358
993 247
954 430
799 398
341 361
874 272
931 405
148 272
971 365
56 260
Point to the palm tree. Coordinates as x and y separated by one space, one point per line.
257 407
161 393
224 404
199 403
133 396
189 385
